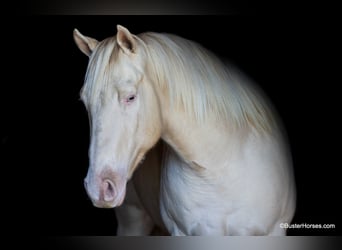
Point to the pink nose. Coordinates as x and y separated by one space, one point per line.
107 192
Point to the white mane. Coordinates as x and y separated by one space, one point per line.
203 85
196 80
98 73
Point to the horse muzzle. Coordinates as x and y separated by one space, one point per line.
108 193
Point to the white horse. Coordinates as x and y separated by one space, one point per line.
222 166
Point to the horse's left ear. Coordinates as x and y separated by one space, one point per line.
126 40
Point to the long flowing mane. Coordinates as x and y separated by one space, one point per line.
98 71
196 80
200 83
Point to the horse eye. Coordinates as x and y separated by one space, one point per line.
130 98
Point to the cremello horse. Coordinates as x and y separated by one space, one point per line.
222 166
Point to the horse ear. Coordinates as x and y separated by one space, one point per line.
125 40
84 43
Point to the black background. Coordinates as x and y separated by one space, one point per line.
45 133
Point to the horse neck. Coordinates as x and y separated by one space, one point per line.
204 143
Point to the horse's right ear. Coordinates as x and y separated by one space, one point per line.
84 43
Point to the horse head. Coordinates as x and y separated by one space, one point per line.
123 110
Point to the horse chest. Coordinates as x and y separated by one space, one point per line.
187 200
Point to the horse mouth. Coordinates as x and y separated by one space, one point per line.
101 204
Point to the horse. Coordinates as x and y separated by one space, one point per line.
182 140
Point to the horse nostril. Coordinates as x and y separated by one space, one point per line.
108 190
